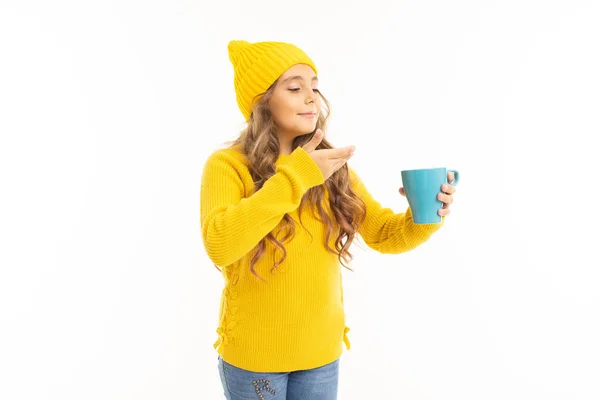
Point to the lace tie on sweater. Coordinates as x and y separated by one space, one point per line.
346 340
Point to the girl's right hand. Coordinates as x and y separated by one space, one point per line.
328 160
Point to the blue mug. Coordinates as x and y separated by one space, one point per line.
422 187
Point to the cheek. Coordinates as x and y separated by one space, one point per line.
281 114
278 109
295 104
289 108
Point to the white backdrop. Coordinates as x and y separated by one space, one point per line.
108 111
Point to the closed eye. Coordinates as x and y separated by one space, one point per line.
297 89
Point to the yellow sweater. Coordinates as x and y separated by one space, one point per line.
296 320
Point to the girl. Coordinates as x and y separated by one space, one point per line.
279 210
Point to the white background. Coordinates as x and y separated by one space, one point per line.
108 110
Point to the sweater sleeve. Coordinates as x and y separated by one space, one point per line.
388 232
232 225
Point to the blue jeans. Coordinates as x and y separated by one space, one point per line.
312 384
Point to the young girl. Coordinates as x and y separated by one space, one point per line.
279 210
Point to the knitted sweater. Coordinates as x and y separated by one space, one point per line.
295 320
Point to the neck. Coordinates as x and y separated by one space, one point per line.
285 148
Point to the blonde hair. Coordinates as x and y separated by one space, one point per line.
260 144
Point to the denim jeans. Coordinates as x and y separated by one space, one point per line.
312 384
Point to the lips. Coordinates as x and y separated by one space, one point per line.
308 114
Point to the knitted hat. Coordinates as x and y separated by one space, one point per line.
257 65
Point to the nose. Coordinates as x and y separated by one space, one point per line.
312 96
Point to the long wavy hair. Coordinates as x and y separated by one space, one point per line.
260 144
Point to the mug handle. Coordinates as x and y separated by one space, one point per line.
455 177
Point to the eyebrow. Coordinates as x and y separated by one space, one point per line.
291 78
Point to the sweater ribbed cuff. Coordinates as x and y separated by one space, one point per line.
305 169
430 228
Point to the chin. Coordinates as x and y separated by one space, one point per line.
300 131
310 129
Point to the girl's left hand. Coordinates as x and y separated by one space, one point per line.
445 196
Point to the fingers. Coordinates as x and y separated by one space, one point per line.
443 212
445 198
339 162
314 142
343 159
450 177
341 153
448 189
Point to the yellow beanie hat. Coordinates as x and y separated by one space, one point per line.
257 65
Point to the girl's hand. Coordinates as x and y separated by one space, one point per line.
328 160
445 196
